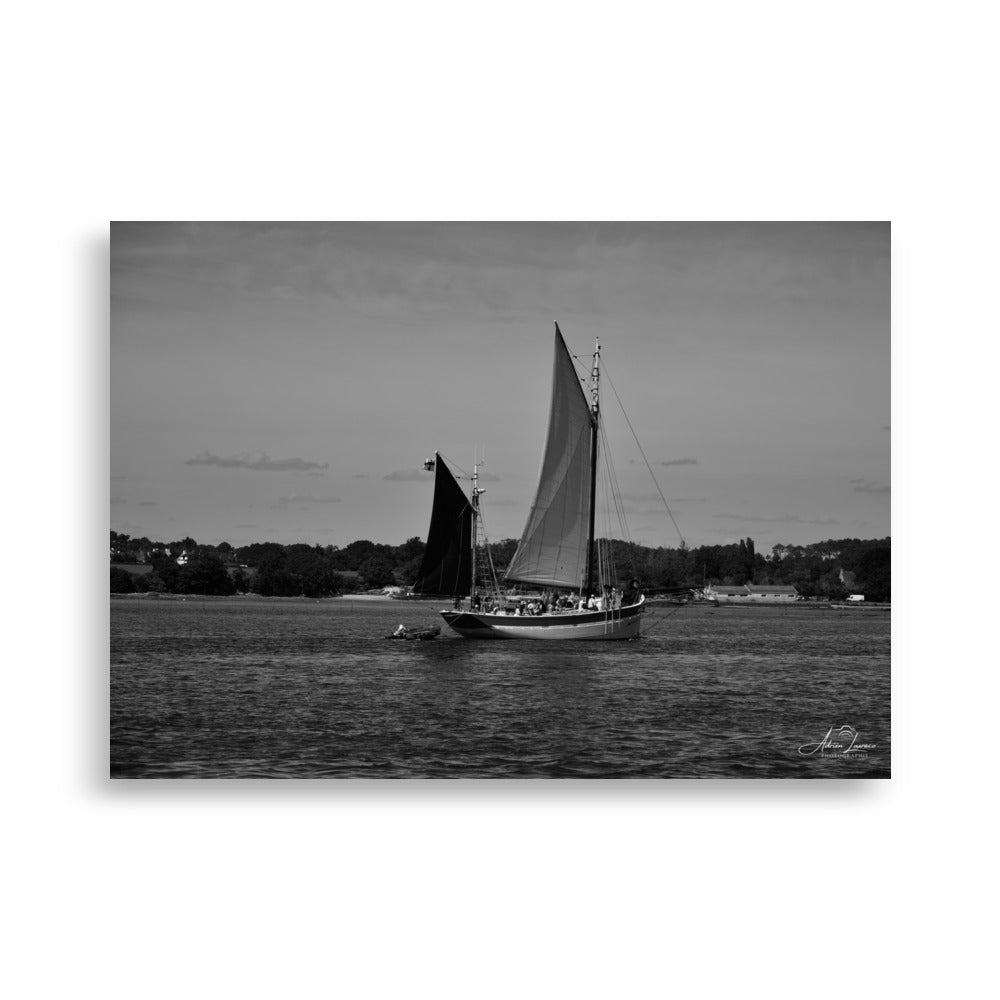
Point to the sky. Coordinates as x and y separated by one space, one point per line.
285 382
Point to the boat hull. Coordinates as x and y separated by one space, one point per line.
571 626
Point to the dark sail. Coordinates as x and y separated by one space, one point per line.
447 564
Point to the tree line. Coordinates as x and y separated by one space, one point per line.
830 569
266 568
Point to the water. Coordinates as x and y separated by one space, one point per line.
311 689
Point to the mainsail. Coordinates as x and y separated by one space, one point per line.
447 562
553 549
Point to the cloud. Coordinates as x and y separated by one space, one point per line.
409 476
360 475
256 460
306 498
655 497
867 486
728 532
419 475
775 519
679 461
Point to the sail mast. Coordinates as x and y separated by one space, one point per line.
595 409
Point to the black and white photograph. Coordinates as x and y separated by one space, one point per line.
544 452
500 500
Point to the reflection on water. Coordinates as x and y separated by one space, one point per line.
248 688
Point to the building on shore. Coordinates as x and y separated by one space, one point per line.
751 593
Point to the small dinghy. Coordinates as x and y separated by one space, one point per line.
415 633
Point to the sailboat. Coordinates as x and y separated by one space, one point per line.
556 555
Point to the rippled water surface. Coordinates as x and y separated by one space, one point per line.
312 689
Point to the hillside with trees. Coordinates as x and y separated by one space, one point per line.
824 570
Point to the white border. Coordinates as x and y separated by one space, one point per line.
470 889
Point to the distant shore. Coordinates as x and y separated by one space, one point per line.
152 595
870 606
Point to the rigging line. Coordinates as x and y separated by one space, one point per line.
607 497
489 554
611 486
646 460
629 546
587 367
603 545
616 500
609 545
660 620
615 488
455 466
611 508
620 510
